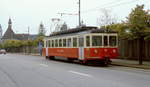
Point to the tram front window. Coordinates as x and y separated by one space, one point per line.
112 40
96 40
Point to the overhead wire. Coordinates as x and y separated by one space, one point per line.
109 6
123 3
100 6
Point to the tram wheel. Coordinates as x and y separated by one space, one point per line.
83 62
52 57
70 60
106 61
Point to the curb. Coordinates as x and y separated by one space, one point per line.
133 66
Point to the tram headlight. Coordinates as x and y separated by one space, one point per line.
114 51
105 50
95 51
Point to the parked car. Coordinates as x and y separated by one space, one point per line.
2 51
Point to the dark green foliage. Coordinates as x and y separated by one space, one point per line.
121 28
138 21
136 26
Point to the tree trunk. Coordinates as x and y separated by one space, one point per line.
141 39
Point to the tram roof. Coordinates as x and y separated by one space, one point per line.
81 30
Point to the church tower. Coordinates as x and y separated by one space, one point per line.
9 34
41 29
9 24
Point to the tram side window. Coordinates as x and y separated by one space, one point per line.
88 41
74 42
64 42
96 40
49 43
81 42
56 43
105 40
69 42
112 40
60 42
52 43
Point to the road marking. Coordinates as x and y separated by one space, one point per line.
82 74
44 65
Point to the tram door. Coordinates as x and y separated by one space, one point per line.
47 48
81 48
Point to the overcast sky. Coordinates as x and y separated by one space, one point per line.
31 13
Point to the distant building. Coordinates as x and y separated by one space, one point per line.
10 35
64 27
26 36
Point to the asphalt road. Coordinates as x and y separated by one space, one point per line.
35 71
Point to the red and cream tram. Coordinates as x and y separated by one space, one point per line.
84 44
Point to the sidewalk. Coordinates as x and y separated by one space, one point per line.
131 63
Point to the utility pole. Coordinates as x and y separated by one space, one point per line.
28 41
79 13
59 26
28 32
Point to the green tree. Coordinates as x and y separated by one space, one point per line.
38 39
121 28
1 46
137 27
138 22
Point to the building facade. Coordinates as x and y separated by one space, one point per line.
10 35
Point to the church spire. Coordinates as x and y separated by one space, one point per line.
9 34
42 29
9 22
